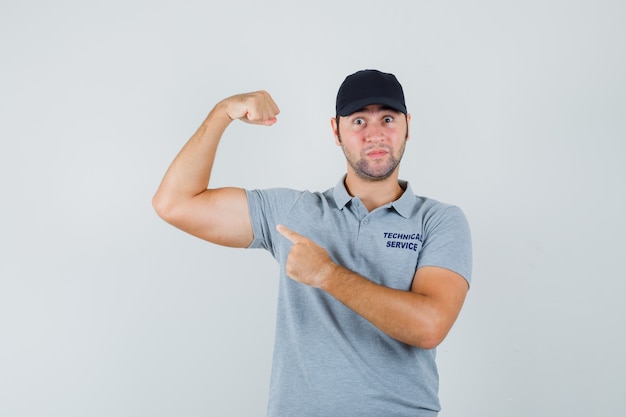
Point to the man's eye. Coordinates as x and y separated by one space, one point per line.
388 119
358 121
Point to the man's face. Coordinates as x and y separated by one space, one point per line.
373 140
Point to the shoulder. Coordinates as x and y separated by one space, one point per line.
431 210
273 193
434 209
284 196
443 218
272 206
279 203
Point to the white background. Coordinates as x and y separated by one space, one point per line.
519 117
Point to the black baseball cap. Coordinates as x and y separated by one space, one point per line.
369 87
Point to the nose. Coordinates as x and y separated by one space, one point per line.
374 133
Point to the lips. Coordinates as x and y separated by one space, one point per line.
377 152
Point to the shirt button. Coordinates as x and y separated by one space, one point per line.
366 221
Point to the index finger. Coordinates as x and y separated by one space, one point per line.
292 236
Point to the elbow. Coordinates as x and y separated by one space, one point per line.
158 204
430 341
430 336
163 207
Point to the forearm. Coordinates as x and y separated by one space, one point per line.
404 315
420 317
189 173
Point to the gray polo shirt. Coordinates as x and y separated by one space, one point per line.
328 360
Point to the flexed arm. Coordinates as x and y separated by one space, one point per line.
184 198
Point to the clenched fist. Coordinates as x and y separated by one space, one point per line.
256 108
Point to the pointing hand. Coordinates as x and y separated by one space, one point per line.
307 262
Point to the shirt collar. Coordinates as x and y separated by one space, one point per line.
403 205
341 194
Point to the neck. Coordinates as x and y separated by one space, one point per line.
374 194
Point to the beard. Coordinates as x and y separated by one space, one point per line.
373 170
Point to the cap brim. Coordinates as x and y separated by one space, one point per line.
355 106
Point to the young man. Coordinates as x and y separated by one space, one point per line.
372 276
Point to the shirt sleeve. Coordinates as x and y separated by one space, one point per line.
447 242
269 208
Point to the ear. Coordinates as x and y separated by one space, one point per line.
335 128
408 124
